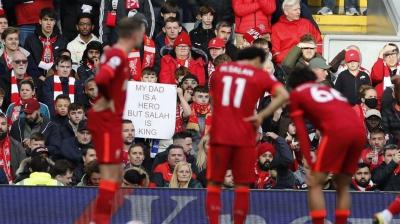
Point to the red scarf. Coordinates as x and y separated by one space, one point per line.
14 88
5 158
184 63
211 68
263 179
179 120
48 50
7 59
90 65
369 187
136 64
200 110
58 87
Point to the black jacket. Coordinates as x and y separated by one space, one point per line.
349 85
391 122
200 37
283 158
71 150
385 179
48 128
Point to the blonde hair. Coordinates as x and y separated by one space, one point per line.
289 3
201 161
174 183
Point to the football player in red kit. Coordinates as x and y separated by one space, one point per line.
236 87
343 138
105 117
386 216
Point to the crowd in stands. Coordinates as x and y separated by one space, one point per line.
50 51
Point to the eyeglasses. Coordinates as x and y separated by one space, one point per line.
308 48
20 62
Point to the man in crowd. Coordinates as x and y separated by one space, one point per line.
216 47
137 156
386 176
88 155
201 35
361 180
223 30
40 174
91 176
76 114
71 148
61 105
90 60
62 171
171 30
128 137
373 155
91 93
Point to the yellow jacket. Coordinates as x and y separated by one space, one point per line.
39 179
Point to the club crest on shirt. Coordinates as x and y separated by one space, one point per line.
114 62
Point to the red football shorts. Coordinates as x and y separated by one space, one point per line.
239 159
340 151
106 130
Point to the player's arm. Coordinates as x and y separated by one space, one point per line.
302 134
106 74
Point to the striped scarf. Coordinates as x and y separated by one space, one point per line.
5 158
200 110
58 87
15 98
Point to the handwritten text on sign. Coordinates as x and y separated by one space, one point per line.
152 109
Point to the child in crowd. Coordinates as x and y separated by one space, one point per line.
61 108
200 118
149 75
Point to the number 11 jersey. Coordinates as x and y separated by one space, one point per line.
235 90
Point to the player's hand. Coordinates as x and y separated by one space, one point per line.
396 157
256 120
272 135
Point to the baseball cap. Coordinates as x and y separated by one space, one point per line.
39 151
82 126
391 146
373 112
252 34
352 55
183 38
318 62
216 43
31 105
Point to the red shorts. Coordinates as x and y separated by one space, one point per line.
106 130
240 159
339 152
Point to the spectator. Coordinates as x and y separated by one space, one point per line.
200 118
128 137
223 30
135 177
62 171
61 83
373 155
85 27
138 156
368 101
71 148
62 103
361 180
23 128
76 114
216 47
45 43
373 120
90 60
92 174
166 10
36 141
320 69
171 30
228 180
385 67
223 10
390 121
182 109
349 7
113 11
28 15
149 75
302 53
304 8
223 58
188 83
386 176
265 45
88 155
162 173
39 167
3 26
182 177
287 32
201 35
250 14
90 95
181 57
350 80
23 171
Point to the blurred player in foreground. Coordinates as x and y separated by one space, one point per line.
343 138
236 87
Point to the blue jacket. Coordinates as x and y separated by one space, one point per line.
44 110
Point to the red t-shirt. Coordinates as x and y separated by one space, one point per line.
325 107
112 78
235 89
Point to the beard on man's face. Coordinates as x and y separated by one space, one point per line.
264 166
362 182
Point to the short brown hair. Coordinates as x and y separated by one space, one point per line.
127 26
181 72
9 30
63 58
172 20
222 59
206 9
169 7
363 89
223 24
148 71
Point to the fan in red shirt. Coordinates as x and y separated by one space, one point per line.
105 117
236 87
343 138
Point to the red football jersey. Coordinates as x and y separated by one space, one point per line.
325 107
112 78
235 90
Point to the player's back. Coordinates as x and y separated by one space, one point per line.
325 107
235 89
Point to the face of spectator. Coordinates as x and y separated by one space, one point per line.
215 52
371 93
84 137
265 47
128 133
11 42
201 98
373 122
149 78
85 27
3 24
189 84
172 30
35 144
391 59
136 156
292 12
207 19
62 107
377 140
175 156
184 174
228 180
75 116
90 156
320 74
47 24
19 64
3 125
353 66
264 161
308 53
94 179
186 143
168 15
362 176
389 153
224 33
91 90
33 117
65 179
92 54
182 51
26 92
64 68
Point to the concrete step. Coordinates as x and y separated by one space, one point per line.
341 24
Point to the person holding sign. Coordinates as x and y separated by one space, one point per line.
105 117
235 89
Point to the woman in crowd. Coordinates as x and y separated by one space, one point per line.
183 177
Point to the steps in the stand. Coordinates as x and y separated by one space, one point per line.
341 24
339 3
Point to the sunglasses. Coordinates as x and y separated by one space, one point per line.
23 62
308 48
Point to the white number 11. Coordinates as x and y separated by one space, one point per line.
240 84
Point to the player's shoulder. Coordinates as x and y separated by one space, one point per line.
112 57
306 87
